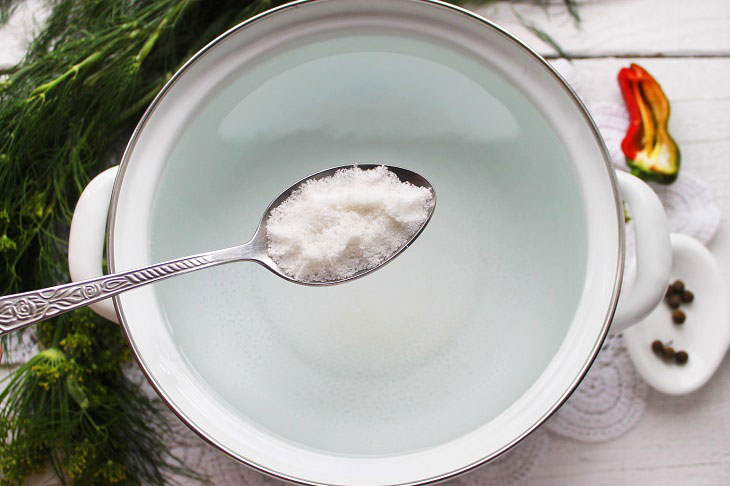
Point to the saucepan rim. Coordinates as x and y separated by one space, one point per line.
300 4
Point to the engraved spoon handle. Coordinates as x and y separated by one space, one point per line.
20 310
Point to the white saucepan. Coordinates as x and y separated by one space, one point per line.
436 363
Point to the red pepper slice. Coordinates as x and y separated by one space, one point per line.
650 151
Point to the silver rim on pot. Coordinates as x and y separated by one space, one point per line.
303 4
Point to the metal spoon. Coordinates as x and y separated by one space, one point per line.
20 310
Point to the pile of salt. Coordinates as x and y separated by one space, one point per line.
332 228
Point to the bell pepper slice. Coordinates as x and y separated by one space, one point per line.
651 153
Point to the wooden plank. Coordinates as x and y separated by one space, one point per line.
17 33
700 98
622 27
608 28
679 440
700 120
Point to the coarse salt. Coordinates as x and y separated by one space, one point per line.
332 228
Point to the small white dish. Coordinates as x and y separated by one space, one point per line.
705 334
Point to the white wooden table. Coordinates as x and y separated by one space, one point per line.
686 46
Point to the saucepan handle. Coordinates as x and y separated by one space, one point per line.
86 239
640 295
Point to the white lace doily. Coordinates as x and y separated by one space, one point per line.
612 397
609 401
511 468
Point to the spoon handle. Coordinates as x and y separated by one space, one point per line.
20 310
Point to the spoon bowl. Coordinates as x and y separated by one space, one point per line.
21 310
259 240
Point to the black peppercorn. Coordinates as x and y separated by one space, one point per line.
687 297
678 287
670 292
674 301
678 317
657 347
668 352
681 357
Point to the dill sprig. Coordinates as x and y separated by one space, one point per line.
64 110
72 406
82 86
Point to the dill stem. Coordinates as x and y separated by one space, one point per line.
34 230
72 72
149 43
145 100
57 333
152 40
